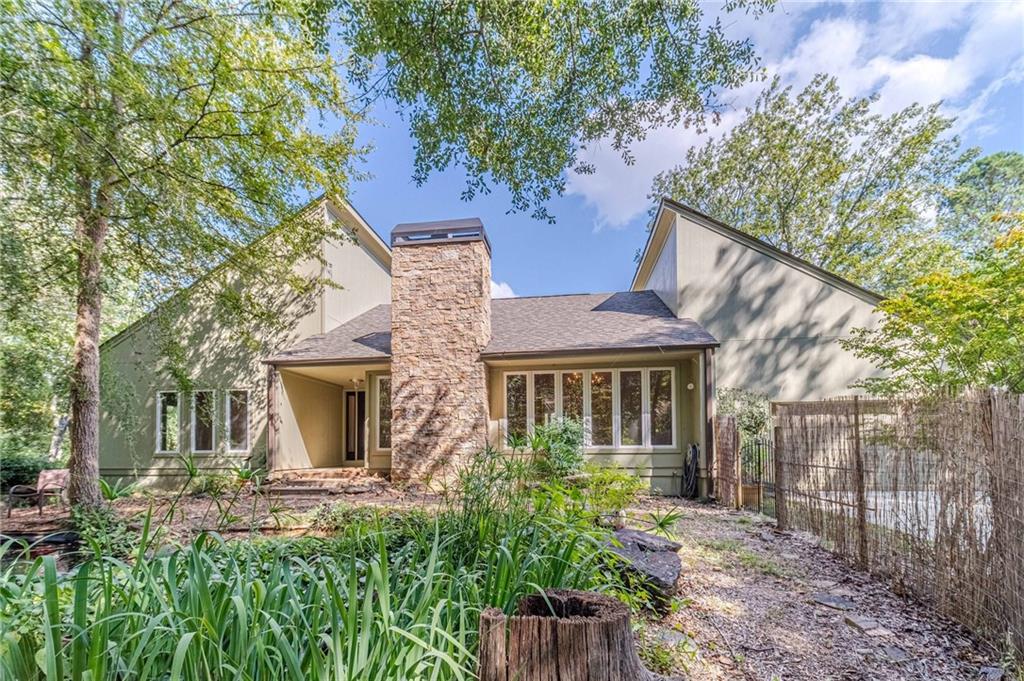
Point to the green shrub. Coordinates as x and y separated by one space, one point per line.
392 595
558 448
609 488
103 531
19 467
211 484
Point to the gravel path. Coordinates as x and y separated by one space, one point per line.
760 604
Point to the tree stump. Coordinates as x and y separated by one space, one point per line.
561 635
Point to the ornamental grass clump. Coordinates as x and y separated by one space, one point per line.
380 600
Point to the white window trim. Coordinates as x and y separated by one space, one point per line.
248 420
675 397
647 429
504 399
160 421
213 424
376 413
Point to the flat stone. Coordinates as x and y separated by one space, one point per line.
992 673
654 559
861 623
671 637
895 654
880 632
834 602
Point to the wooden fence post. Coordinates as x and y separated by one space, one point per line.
781 512
859 490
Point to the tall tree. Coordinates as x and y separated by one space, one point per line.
155 138
954 330
992 186
829 181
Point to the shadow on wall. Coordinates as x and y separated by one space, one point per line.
198 338
432 443
779 327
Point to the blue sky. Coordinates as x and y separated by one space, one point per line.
969 55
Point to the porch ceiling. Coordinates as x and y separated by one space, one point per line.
340 374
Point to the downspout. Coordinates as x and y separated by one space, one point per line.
709 420
272 417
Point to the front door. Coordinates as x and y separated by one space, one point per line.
355 425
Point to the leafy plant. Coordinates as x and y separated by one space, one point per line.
116 490
609 489
664 522
558 447
752 410
104 531
20 467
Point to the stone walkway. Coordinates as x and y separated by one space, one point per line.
765 605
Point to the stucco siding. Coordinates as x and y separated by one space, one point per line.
778 325
664 279
212 354
310 422
364 279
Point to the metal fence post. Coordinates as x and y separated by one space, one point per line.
781 512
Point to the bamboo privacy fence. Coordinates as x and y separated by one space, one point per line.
928 493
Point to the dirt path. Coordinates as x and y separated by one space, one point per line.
752 604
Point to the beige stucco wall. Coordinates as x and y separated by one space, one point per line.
661 468
213 356
310 422
778 325
664 279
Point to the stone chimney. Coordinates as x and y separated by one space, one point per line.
440 322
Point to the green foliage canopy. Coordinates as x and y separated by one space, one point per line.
513 91
949 331
828 181
990 187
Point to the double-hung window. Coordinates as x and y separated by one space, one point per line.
168 422
237 420
204 431
625 409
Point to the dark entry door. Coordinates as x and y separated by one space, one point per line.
355 425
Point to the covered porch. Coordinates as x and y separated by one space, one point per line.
328 416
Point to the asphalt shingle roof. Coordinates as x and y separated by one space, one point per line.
592 322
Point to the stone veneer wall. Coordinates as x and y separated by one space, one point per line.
440 321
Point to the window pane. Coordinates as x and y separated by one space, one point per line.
601 408
168 436
384 412
543 398
661 407
202 404
572 395
515 401
238 420
631 407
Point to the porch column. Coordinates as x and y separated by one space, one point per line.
709 421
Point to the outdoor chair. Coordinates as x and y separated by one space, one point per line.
51 483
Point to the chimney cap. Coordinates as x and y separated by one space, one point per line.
439 231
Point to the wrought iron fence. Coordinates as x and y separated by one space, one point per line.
757 474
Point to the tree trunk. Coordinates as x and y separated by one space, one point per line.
84 464
561 636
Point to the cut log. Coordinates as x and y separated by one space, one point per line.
561 635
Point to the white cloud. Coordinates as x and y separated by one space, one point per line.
961 53
500 289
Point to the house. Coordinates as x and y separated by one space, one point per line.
410 366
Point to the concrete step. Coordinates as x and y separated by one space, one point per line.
323 474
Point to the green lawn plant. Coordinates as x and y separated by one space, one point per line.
381 599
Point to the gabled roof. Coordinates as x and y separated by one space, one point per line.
525 327
340 209
762 247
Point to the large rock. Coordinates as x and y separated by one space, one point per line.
654 559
